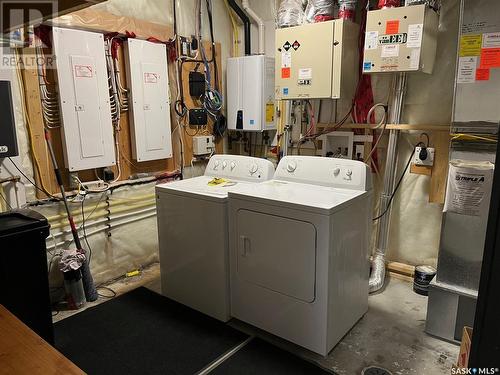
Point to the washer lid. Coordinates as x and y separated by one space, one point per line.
313 198
199 186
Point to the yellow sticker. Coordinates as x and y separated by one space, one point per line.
270 112
470 45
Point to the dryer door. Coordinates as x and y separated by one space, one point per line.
277 253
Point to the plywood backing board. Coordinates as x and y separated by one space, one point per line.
439 176
189 131
45 177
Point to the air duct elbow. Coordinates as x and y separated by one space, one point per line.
377 276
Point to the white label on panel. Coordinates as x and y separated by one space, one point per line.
87 107
156 108
83 71
305 73
371 40
467 69
286 59
491 40
390 50
150 77
414 58
415 35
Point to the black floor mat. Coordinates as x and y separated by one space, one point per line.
261 358
143 332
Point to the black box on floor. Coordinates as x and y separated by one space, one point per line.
24 284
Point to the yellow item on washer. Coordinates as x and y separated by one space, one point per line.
217 181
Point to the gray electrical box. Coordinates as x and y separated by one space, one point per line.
8 139
401 39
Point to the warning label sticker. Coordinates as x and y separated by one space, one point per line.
392 27
270 112
83 71
467 69
415 35
150 78
286 59
491 40
482 75
490 58
285 72
371 40
470 45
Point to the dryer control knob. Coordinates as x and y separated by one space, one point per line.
253 168
336 172
233 165
291 166
224 164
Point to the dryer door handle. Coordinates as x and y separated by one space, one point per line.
244 246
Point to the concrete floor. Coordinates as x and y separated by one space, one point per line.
390 335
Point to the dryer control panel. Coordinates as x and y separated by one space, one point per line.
240 167
315 170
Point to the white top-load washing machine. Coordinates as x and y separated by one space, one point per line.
299 250
193 232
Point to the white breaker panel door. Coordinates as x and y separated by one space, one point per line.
148 83
84 99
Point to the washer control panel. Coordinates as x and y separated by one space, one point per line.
240 167
315 170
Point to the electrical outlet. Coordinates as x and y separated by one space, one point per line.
424 156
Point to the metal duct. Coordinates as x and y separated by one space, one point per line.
317 10
246 25
290 13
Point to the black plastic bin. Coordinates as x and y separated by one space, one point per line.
24 285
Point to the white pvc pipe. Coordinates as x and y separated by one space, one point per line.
105 219
52 246
260 24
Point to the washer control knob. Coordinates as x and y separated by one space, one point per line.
253 168
216 164
224 164
348 175
233 165
291 166
336 172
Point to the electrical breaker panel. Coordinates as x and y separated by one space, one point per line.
84 99
147 70
250 93
401 39
317 60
